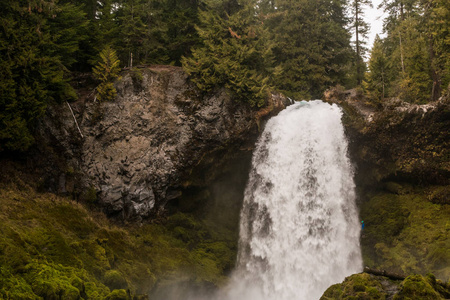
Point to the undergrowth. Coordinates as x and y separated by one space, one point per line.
55 248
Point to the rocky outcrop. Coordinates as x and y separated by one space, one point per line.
141 150
402 172
397 140
379 286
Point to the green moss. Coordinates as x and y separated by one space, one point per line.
118 295
406 234
53 247
358 286
416 287
115 280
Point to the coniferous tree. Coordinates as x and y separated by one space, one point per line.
376 82
417 48
437 28
234 54
32 71
361 29
311 44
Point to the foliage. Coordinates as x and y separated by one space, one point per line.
417 49
234 54
32 67
361 28
106 70
311 45
376 83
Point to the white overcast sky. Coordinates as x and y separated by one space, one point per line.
375 18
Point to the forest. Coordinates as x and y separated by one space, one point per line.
217 67
299 48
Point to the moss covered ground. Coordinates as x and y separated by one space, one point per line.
54 248
369 287
407 231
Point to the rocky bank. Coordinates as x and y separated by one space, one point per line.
402 173
159 137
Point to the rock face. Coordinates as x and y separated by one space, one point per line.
398 140
401 154
142 149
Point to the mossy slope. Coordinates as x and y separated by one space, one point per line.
407 233
54 248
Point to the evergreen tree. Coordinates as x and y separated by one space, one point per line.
417 48
377 78
311 44
234 54
31 70
361 28
437 27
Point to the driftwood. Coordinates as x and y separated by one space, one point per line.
384 273
76 123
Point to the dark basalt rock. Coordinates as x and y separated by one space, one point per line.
157 138
396 141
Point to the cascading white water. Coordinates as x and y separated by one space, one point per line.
299 224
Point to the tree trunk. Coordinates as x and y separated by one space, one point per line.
389 275
358 58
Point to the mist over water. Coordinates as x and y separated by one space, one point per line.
299 230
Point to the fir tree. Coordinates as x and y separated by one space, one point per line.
32 69
361 28
234 54
376 78
311 44
417 48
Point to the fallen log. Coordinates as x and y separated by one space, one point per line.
384 273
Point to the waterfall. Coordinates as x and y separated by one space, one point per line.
299 225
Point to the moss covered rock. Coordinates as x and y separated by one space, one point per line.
370 287
358 286
406 234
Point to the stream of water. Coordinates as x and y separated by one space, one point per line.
299 230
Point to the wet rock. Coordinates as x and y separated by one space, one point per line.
142 149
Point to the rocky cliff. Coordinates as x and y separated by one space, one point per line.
397 140
157 138
402 159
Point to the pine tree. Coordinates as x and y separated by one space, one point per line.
417 48
361 28
311 44
377 77
437 28
32 71
234 54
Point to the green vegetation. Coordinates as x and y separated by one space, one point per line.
107 70
358 286
369 287
234 54
361 29
32 71
300 48
406 233
52 247
415 52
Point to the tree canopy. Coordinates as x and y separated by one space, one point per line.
300 48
